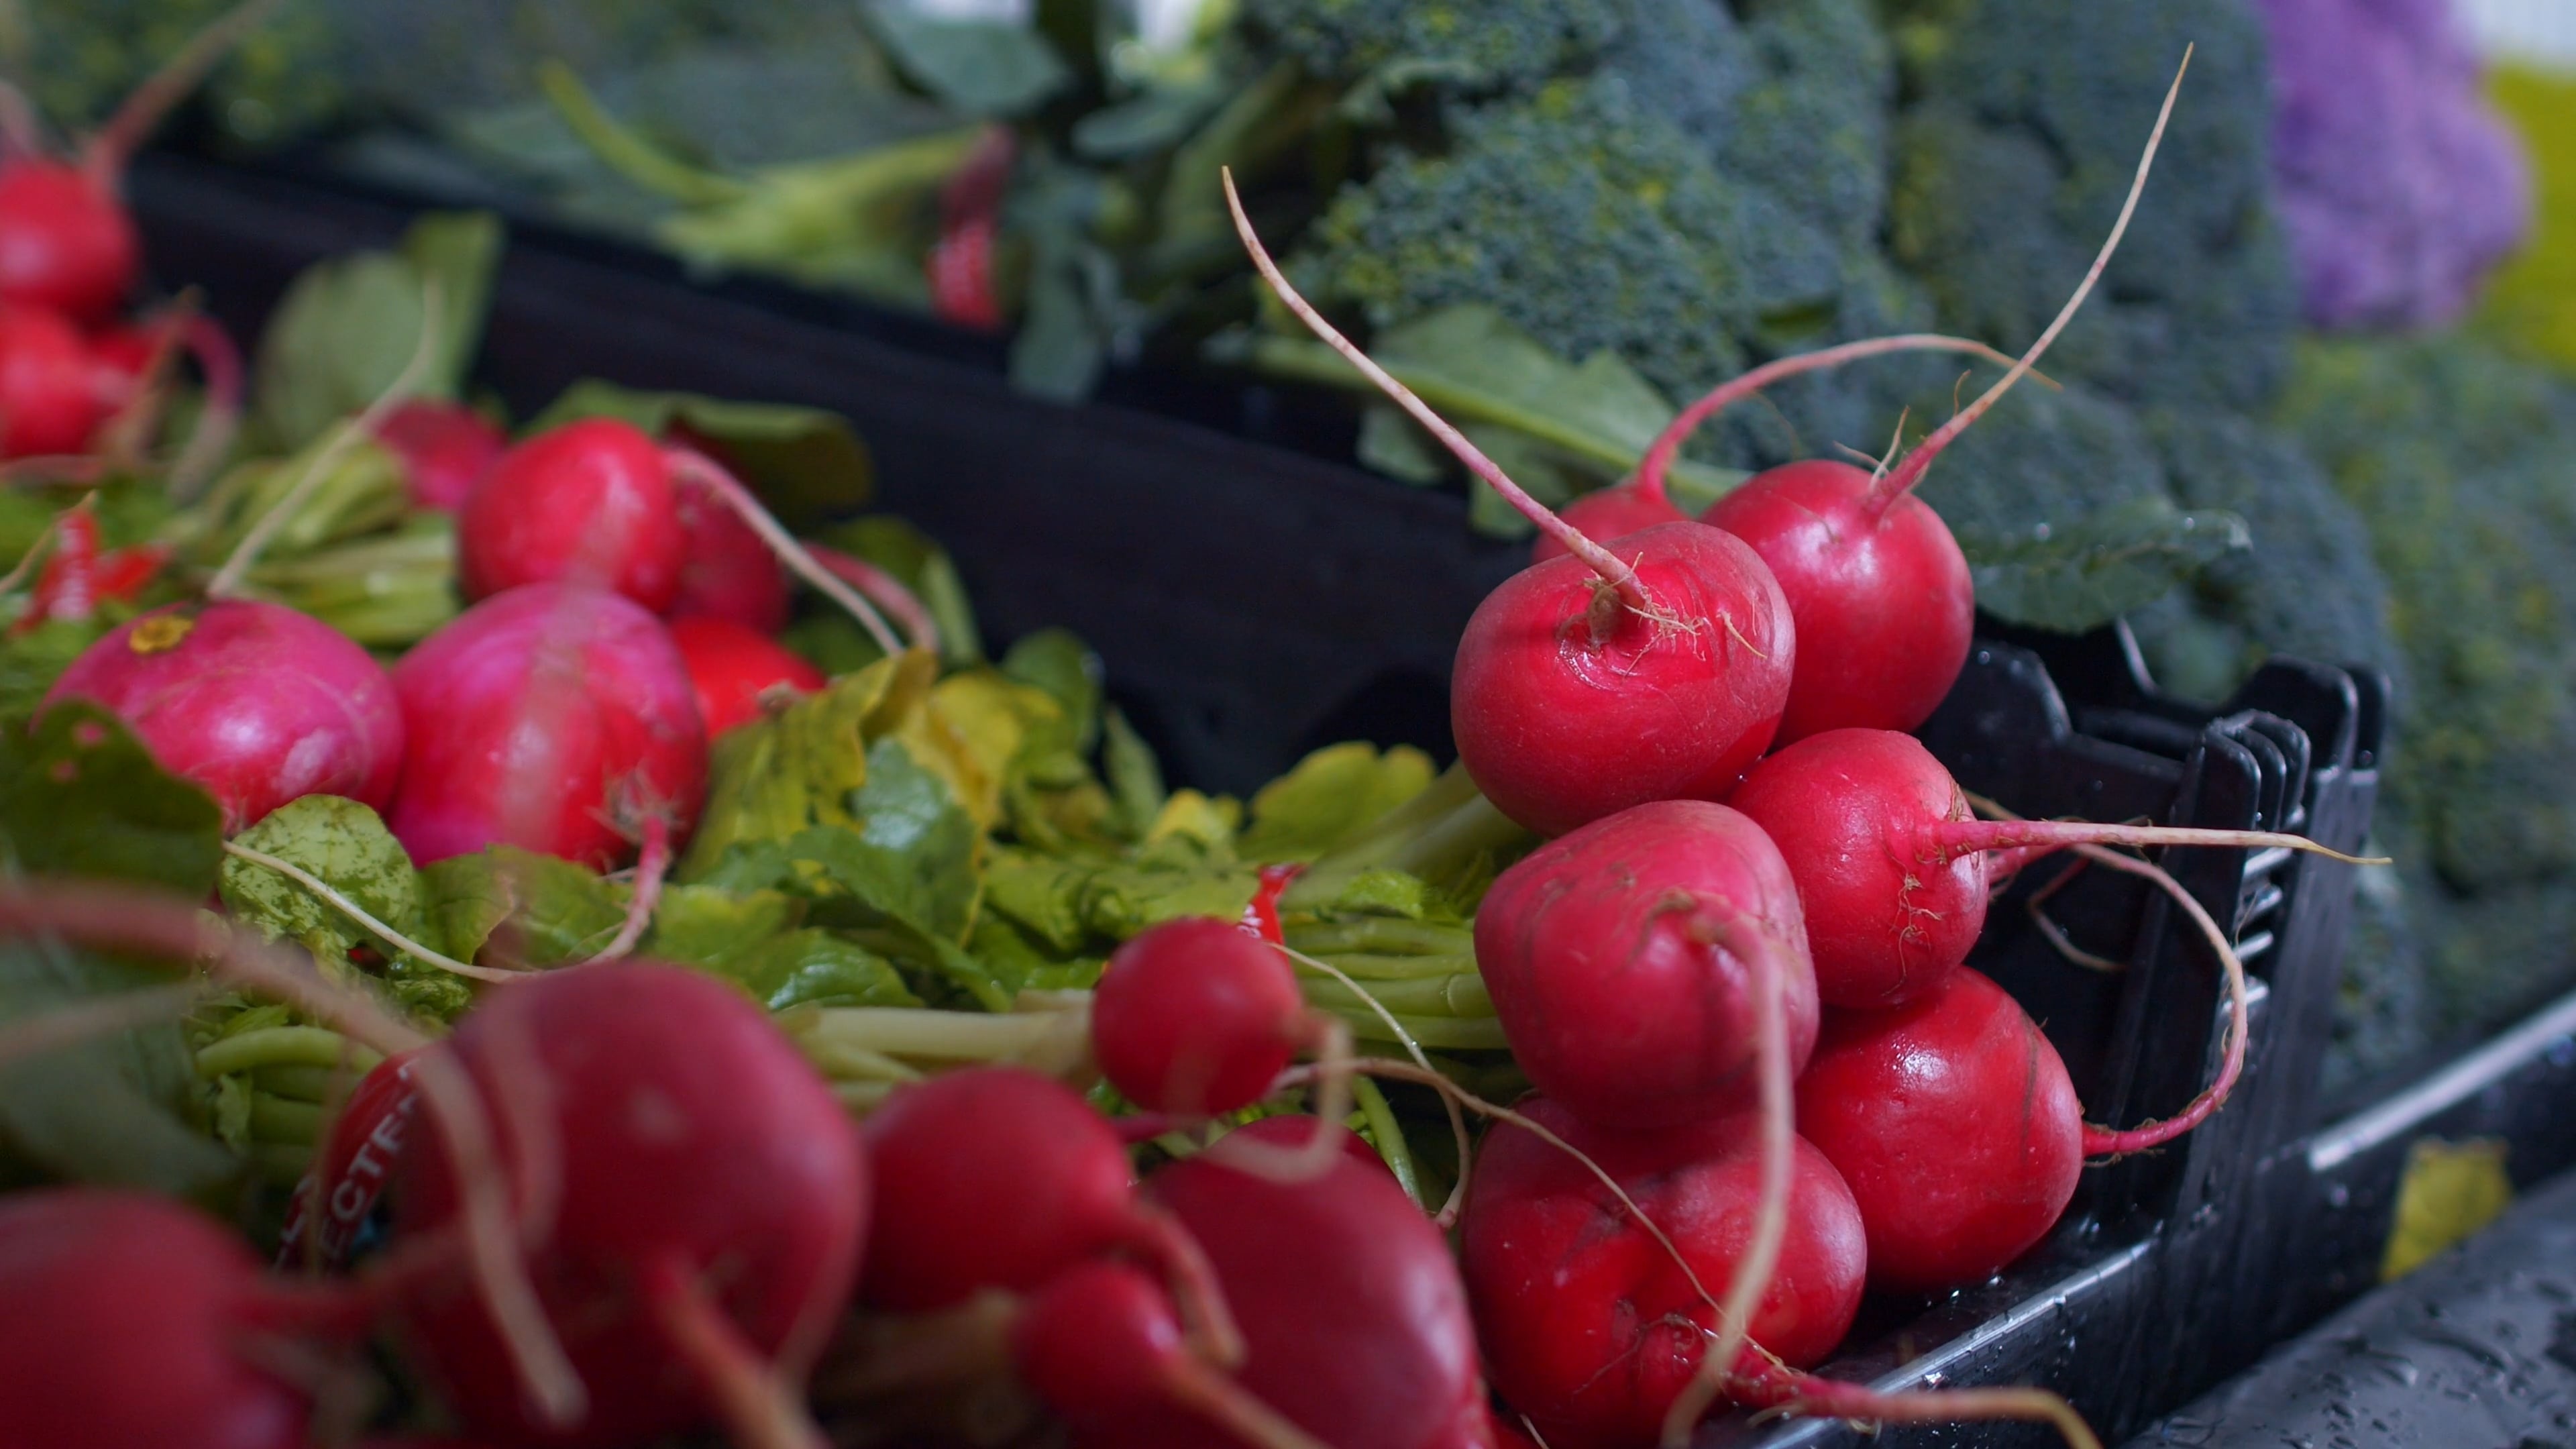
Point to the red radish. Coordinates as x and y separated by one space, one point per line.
1355 1325
135 1323
1622 963
590 502
1894 869
254 701
1590 1327
1612 513
700 1203
735 670
729 572
1100 1343
445 448
1608 514
1650 671
66 239
54 392
961 1158
1568 706
1196 1017
1880 591
1953 1122
541 718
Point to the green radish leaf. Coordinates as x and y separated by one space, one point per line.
1057 661
1586 423
118 1110
1329 798
2077 576
1021 961
79 795
526 909
978 67
31 662
920 564
1135 777
1395 445
345 844
817 968
718 929
348 326
1041 895
805 462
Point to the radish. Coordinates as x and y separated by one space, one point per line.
54 392
1100 1343
1196 1017
587 503
253 701
1952 1121
729 572
1881 594
1893 868
546 717
961 1158
1615 512
445 449
737 672
135 1323
1623 958
1355 1324
66 239
693 1199
1653 670
1590 1326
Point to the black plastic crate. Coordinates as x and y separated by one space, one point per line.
1251 603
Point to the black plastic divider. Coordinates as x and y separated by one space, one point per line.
1252 603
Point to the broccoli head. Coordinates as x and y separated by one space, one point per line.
1471 45
2455 455
2018 139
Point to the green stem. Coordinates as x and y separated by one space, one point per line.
275 1119
1390 1138
626 152
1367 966
1455 996
1379 936
1446 1033
309 1046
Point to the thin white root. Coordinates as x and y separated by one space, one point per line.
706 471
1449 1210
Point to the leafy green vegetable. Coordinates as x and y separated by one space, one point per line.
528 909
345 844
79 795
2082 575
115 1110
807 463
348 326
1329 798
916 561
817 968
1057 661
1557 428
977 67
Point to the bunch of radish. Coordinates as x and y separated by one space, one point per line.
1764 1076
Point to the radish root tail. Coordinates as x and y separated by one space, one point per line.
1600 560
1910 472
691 464
758 1406
1207 1321
1760 952
2102 1142
884 590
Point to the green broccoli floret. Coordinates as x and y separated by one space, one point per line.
1704 194
2455 456
1471 45
2021 133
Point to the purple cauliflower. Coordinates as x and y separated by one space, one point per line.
2398 184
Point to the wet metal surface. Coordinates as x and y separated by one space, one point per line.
2476 1350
